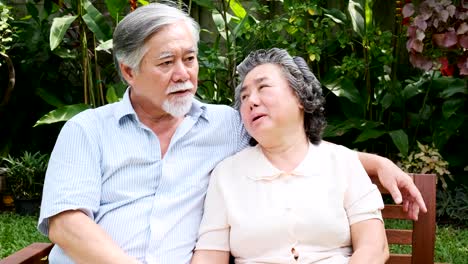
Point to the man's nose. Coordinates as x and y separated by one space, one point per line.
181 72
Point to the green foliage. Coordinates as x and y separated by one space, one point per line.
6 29
453 204
218 56
451 245
17 233
426 160
25 175
81 31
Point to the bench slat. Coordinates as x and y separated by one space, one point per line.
32 254
399 236
400 259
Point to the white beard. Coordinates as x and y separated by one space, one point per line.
178 106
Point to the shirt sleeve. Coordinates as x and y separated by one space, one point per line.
73 177
214 228
362 200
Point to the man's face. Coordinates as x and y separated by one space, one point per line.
167 79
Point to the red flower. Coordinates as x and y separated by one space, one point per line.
405 21
446 69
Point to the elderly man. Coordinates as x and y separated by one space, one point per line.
126 181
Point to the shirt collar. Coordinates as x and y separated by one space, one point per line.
264 170
125 108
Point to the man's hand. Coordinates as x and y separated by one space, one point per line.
402 188
397 182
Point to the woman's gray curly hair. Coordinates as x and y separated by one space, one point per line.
300 78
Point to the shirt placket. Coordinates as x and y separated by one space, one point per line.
290 201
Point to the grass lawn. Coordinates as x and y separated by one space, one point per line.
17 232
451 242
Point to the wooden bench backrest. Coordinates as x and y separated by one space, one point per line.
421 237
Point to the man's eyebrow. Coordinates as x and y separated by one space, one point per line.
165 55
256 80
191 50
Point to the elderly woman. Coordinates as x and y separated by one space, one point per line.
291 198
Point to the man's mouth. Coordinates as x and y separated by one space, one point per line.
180 92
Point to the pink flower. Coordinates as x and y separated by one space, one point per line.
463 40
445 40
463 66
421 62
408 10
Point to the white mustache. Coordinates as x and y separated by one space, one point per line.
179 87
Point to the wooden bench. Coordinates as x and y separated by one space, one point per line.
421 237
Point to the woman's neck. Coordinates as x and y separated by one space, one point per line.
287 154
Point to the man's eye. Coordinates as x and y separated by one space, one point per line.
191 58
243 97
166 63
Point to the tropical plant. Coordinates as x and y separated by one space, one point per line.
7 33
453 204
221 49
82 33
25 174
426 159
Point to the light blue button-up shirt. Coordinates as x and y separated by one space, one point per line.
108 164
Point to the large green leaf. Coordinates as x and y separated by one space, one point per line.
454 87
387 100
412 89
219 22
400 139
336 128
96 22
205 3
61 114
105 46
237 8
336 15
49 97
451 106
369 134
356 12
343 87
242 24
58 29
115 92
115 7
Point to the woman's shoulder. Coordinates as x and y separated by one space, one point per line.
235 165
240 158
335 150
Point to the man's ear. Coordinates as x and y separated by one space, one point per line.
127 72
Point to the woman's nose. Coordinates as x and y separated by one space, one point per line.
253 100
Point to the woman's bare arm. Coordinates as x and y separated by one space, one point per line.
210 257
369 242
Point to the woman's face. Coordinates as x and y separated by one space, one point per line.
269 107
